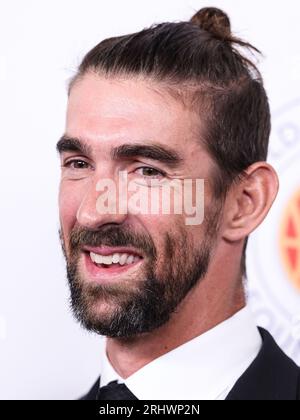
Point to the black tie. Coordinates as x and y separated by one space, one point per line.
115 391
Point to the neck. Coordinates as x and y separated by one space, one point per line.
214 300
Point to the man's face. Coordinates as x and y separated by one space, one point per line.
129 272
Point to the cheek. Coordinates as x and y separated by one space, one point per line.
69 203
159 227
184 237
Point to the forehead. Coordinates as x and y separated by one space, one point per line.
109 109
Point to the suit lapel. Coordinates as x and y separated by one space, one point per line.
272 376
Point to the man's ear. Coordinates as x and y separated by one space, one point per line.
249 201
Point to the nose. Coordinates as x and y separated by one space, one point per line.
100 205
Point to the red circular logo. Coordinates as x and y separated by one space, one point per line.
290 239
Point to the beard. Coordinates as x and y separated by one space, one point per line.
128 309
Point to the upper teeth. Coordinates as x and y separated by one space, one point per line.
116 258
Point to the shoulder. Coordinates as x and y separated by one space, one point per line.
92 394
272 375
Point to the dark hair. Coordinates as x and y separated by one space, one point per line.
200 62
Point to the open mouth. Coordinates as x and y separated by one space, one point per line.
114 260
103 262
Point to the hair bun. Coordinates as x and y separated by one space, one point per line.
214 21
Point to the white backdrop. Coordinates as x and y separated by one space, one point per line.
43 352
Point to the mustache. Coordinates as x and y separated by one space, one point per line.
111 236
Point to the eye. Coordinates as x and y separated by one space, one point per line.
148 172
76 164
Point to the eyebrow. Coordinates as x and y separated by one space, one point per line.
151 151
72 144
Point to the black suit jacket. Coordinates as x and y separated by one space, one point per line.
272 376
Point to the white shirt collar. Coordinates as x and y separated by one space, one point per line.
205 368
108 373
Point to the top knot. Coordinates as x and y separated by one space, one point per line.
215 21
